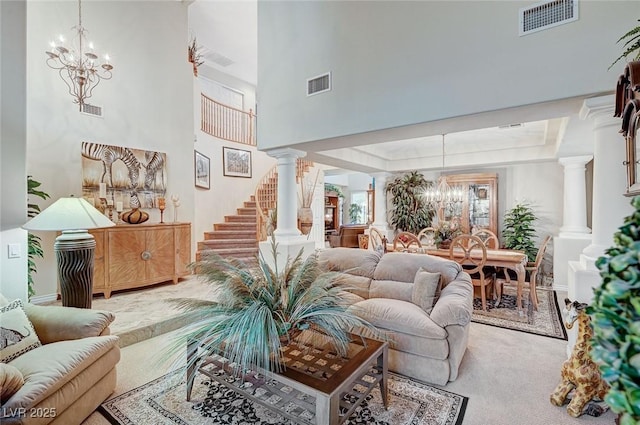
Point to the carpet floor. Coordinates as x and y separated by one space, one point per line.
546 321
162 401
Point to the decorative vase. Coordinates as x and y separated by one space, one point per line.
135 216
305 216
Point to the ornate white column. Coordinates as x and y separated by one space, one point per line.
610 206
574 234
574 218
380 209
289 239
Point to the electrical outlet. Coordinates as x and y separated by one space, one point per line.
14 250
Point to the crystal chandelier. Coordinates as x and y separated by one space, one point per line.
78 67
442 195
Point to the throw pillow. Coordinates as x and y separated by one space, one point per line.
11 380
426 287
18 335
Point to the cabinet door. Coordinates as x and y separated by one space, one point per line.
99 262
125 263
479 208
159 255
183 252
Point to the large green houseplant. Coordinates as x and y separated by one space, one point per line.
631 46
518 231
34 247
410 212
616 320
259 309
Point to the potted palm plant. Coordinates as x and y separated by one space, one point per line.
259 310
33 242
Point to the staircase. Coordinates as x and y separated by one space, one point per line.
235 238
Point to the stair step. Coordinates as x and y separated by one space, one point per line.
227 243
231 252
246 211
240 219
250 204
235 226
231 234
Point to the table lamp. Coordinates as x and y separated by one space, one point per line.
74 248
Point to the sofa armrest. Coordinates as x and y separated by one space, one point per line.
455 305
335 240
54 323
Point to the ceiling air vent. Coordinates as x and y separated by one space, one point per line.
548 14
319 84
93 110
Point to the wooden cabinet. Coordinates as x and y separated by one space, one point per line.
479 207
331 213
131 256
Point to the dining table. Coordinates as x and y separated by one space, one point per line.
498 258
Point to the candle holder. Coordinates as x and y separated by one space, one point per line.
120 217
103 205
161 206
110 208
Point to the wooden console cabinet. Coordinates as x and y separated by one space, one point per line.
131 256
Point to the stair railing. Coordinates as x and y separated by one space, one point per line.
266 196
225 122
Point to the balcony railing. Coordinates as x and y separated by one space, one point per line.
225 122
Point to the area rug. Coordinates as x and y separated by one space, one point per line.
163 401
547 321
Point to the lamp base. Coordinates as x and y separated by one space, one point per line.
75 254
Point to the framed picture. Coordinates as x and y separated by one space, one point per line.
202 170
236 162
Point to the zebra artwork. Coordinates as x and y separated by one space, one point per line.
155 164
110 154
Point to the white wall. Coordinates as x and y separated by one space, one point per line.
13 133
147 104
400 63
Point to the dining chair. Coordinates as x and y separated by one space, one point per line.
427 237
472 260
489 239
532 269
377 241
406 242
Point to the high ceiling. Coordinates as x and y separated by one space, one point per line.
227 32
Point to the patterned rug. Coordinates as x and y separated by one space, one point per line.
162 401
547 321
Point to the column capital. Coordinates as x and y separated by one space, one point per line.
575 161
600 110
286 153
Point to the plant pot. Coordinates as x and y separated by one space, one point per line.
445 244
305 216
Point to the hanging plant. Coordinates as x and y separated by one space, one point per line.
330 187
409 212
194 56
631 46
34 247
616 320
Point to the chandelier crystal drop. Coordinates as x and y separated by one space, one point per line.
442 195
79 66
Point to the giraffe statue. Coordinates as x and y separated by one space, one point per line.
579 371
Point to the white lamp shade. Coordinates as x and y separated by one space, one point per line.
68 214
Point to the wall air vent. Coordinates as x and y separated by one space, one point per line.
319 84
548 14
93 110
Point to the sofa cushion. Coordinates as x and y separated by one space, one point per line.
18 335
391 289
11 380
403 266
426 287
399 316
359 262
56 323
49 367
358 285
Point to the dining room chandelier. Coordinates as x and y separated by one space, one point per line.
442 195
78 64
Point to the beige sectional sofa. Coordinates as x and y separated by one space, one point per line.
428 346
66 378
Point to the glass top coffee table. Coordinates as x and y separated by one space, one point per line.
318 386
